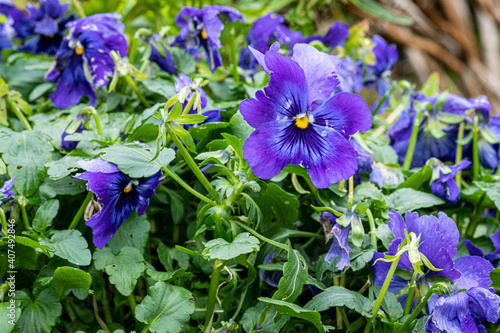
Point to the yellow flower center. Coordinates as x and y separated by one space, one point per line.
128 188
302 122
204 34
79 50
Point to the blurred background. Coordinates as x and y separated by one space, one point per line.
459 39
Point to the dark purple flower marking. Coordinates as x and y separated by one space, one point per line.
291 127
83 62
445 186
201 28
118 193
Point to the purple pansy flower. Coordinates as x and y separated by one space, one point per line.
350 75
6 34
438 242
80 122
494 257
366 163
445 186
6 190
378 75
339 234
83 63
292 128
258 38
463 311
201 28
160 55
335 36
118 193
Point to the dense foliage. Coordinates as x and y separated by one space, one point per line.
171 168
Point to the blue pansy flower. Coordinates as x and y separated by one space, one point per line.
80 124
427 145
7 32
258 38
340 235
118 193
494 257
160 55
291 124
83 62
438 243
445 186
43 28
350 75
378 75
6 191
201 28
463 311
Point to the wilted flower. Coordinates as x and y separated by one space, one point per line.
445 186
292 128
160 55
83 62
201 28
6 191
339 234
119 195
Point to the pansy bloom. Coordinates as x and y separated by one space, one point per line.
77 126
6 34
339 234
463 311
258 38
291 127
83 63
160 55
378 75
118 193
6 191
42 28
493 257
445 186
201 28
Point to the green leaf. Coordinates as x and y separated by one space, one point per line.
40 90
45 214
237 145
492 191
3 167
123 269
434 127
168 276
251 317
135 160
296 311
240 127
340 296
166 308
70 245
418 179
66 279
182 61
406 199
8 316
384 154
40 314
374 8
431 86
294 276
133 232
495 278
221 249
277 203
159 86
62 167
175 112
390 304
25 154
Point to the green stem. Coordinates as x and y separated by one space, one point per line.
476 216
191 163
212 294
418 309
374 113
314 190
458 155
411 293
132 49
475 151
240 304
373 230
265 239
338 314
80 211
132 85
105 306
78 7
94 114
350 197
144 65
25 216
234 58
132 303
191 190
3 221
413 141
381 295
19 115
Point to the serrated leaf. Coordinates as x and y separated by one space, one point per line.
123 269
135 159
133 232
62 167
38 315
45 214
70 245
277 203
221 249
66 279
409 199
294 310
340 296
166 308
294 276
